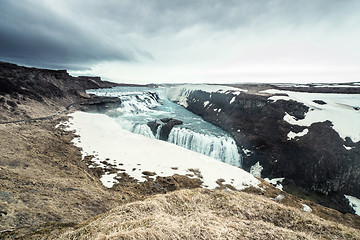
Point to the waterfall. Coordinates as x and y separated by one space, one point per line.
138 128
140 106
157 136
220 148
138 103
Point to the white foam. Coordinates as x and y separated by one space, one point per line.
101 134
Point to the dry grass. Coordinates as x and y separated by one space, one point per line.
44 184
42 178
45 190
207 214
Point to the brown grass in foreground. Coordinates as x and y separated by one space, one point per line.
207 214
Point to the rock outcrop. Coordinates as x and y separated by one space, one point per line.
315 166
22 86
165 127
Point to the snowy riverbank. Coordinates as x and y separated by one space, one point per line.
101 136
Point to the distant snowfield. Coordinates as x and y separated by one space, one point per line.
343 110
211 88
101 136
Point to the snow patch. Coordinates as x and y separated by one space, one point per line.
206 103
256 170
108 180
306 208
247 152
232 100
291 135
348 148
276 182
337 86
340 110
290 119
354 203
279 197
135 154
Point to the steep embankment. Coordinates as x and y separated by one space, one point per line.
31 92
315 157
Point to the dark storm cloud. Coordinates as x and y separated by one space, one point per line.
37 36
75 34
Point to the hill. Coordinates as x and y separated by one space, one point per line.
48 191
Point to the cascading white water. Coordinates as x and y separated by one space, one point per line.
138 103
158 130
138 128
221 148
141 105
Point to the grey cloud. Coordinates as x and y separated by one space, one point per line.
75 34
159 16
34 35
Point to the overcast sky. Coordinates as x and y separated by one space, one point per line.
186 41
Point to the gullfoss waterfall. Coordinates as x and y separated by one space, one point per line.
147 111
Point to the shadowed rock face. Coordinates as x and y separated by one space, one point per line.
168 124
317 162
56 88
39 83
153 125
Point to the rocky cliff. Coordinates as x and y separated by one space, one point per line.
23 87
316 165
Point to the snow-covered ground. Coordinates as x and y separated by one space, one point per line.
341 109
291 135
276 182
180 93
101 136
319 85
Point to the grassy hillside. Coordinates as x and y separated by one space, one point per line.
47 191
205 214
